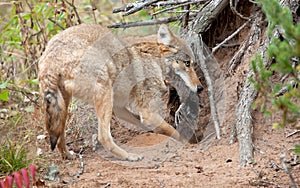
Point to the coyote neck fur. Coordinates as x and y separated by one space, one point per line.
153 49
140 53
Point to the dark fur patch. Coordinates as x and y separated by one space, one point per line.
52 108
51 101
53 144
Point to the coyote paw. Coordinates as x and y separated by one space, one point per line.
134 157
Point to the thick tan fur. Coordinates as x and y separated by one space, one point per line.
90 63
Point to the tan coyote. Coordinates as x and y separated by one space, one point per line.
90 63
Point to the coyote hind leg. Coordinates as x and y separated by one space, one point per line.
103 107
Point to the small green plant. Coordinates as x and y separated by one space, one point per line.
297 149
13 157
3 92
26 27
24 35
284 53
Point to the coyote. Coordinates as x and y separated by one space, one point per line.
90 63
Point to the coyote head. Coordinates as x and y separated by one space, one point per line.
179 58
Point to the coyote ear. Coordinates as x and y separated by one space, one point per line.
164 35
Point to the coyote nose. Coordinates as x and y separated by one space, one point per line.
199 89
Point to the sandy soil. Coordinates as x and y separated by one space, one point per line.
166 163
199 165
210 163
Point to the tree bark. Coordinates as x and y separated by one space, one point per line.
244 126
208 14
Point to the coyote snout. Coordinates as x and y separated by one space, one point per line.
188 75
90 63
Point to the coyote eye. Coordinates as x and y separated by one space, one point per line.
187 63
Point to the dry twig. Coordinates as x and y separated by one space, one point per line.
140 7
291 134
233 8
287 170
94 8
75 10
252 38
134 7
55 22
144 23
148 22
177 2
81 170
211 92
229 37
178 6
123 8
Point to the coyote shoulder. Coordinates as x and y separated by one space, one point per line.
90 63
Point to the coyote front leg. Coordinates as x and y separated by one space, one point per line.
103 106
124 114
154 121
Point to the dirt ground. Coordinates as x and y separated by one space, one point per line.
166 163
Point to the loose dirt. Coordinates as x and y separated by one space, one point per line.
166 163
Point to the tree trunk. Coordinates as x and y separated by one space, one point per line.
205 17
243 128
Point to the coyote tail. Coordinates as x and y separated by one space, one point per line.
56 111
